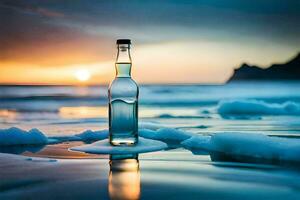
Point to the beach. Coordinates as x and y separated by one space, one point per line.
172 175
134 100
195 121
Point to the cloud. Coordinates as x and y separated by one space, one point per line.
24 7
65 32
46 12
29 39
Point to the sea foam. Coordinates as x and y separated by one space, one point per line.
151 132
16 136
90 135
256 107
247 147
165 134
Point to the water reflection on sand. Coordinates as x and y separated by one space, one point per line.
124 178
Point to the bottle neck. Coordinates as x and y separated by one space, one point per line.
123 62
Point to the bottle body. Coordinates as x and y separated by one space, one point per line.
123 112
123 107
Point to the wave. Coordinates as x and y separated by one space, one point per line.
154 95
257 107
167 116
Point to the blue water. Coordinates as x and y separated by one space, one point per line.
69 109
65 110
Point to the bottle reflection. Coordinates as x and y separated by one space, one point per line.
124 177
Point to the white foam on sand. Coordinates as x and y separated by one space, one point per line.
16 136
197 142
255 107
146 130
239 145
165 134
90 135
104 147
86 136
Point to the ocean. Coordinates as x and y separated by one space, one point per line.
72 109
234 141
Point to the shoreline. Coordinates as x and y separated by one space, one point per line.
194 176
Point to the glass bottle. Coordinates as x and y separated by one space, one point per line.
123 100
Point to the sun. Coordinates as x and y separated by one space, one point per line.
82 75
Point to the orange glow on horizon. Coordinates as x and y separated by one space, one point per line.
205 62
89 74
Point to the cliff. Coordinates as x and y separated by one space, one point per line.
285 71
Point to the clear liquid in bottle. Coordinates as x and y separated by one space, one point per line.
123 102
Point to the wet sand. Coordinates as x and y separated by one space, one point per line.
61 151
175 174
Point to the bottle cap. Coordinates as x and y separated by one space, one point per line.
123 41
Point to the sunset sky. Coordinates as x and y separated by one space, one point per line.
174 41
